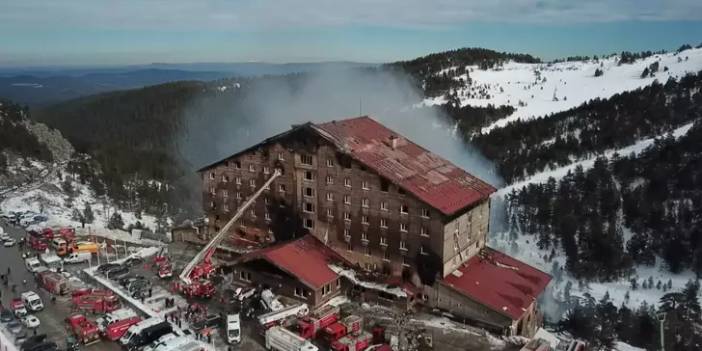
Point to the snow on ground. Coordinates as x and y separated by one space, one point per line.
560 172
46 196
622 346
351 275
530 88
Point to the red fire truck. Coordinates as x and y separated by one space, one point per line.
352 342
310 325
53 282
95 300
349 325
83 329
116 330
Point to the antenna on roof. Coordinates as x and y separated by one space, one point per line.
360 106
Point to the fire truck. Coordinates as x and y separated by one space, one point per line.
53 282
352 342
37 243
95 300
195 277
273 318
114 331
309 326
162 265
83 329
349 325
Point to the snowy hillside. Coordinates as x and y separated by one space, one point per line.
536 90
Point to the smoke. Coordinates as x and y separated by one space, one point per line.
228 121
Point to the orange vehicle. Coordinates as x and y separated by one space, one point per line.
85 246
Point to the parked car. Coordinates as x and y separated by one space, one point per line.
106 267
117 272
211 321
21 337
9 243
77 257
15 327
30 321
133 261
130 278
6 316
4 236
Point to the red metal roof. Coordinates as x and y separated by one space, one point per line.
431 178
499 282
306 259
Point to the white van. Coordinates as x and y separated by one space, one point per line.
233 329
32 264
137 328
32 301
77 257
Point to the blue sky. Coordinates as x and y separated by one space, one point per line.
94 32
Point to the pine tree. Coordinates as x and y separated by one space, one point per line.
77 216
88 215
115 221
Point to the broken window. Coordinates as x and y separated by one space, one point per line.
404 209
306 160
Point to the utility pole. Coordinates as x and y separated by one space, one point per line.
661 320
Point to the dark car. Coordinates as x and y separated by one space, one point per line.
133 261
106 267
211 321
117 272
36 342
138 285
6 316
130 278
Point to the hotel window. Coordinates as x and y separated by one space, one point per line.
423 231
386 255
213 191
253 213
238 195
225 179
237 180
309 192
306 160
347 234
384 186
405 261
237 164
252 168
330 180
383 223
225 193
309 224
330 213
425 212
309 207
267 216
266 200
280 156
365 203
266 170
383 206
364 185
330 196
403 227
364 219
281 188
347 199
330 163
347 182
422 250
212 175
226 208
347 216
299 292
364 236
308 175
245 276
383 241
252 183
404 209
403 245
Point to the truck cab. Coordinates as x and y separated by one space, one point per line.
60 246
233 329
32 301
32 264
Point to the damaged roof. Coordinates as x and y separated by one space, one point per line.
500 282
305 258
431 178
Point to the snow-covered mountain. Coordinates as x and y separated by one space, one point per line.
539 89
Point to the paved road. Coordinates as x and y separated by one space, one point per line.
52 317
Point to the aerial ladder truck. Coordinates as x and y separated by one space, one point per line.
194 280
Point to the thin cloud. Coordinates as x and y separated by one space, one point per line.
286 14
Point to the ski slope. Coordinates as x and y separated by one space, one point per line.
536 90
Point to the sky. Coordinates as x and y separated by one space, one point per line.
98 32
